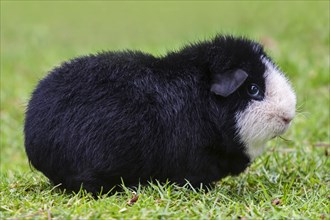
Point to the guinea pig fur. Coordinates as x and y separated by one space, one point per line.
197 114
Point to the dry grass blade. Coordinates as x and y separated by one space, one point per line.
276 202
133 200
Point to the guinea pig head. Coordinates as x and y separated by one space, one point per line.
265 101
271 115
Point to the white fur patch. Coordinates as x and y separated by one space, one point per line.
263 120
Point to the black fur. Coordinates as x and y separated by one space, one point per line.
101 119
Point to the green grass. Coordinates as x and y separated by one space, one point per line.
36 36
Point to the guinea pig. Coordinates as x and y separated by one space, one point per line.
197 114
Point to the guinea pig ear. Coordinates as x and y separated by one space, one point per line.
228 82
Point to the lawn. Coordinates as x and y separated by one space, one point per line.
291 180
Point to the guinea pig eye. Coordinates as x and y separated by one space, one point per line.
254 91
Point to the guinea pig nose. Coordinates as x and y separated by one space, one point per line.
286 119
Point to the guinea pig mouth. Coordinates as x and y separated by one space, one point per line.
280 131
277 135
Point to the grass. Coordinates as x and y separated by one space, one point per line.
291 180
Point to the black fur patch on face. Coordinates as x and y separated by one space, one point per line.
130 116
230 53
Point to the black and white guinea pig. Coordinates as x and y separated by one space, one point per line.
197 115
